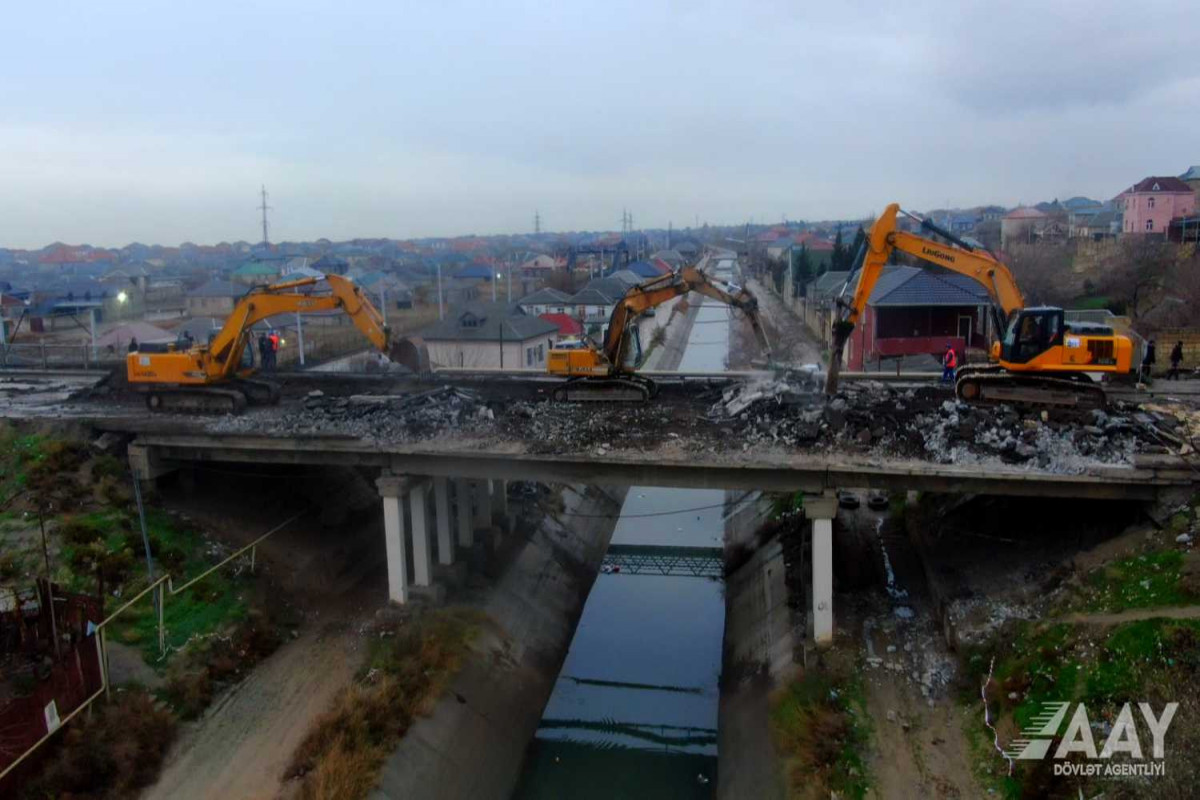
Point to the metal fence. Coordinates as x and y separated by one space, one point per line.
41 355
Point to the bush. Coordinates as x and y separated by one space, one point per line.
114 754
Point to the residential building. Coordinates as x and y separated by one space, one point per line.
490 335
257 273
917 311
1100 225
568 326
215 298
1151 203
545 301
1023 224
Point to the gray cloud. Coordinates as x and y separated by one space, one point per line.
129 121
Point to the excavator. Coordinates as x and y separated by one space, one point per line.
1042 359
216 376
598 372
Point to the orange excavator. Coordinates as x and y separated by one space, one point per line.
599 372
217 376
1042 359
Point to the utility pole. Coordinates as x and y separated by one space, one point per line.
510 266
441 308
537 222
264 208
668 234
300 337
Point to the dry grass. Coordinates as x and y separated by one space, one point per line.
343 752
819 729
112 755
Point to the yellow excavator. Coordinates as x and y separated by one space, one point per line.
1042 359
216 376
598 372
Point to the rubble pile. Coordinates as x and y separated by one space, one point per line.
921 423
591 428
376 418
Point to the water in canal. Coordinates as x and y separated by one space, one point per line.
634 711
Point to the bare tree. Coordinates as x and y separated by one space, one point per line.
1136 272
1043 271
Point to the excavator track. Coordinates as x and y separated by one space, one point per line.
202 400
994 385
628 389
232 398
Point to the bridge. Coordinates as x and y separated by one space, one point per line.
645 559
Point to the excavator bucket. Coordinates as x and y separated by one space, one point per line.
412 353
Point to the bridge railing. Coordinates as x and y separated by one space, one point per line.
40 355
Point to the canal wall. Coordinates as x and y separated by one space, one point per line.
473 743
758 654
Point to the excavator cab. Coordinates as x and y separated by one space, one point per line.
1031 332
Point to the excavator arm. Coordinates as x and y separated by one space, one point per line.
657 291
224 354
881 241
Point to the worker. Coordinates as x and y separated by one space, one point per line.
273 338
949 364
1148 362
1176 359
264 347
133 345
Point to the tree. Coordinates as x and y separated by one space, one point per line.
802 270
1044 274
860 236
837 262
1136 273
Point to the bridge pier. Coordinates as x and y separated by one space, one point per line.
392 490
441 514
821 511
462 499
482 503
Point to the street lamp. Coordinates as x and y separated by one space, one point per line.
122 298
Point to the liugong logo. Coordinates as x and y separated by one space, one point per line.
1078 738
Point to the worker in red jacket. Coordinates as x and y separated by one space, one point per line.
949 364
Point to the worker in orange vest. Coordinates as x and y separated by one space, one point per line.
273 341
949 364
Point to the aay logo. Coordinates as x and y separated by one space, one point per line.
1035 743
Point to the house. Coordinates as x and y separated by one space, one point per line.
540 265
1022 224
257 273
916 311
673 258
329 264
593 304
1151 203
545 301
816 307
476 272
490 335
1102 224
567 325
213 299
646 270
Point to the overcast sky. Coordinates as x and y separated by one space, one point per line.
147 121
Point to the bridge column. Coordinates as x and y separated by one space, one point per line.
441 513
483 504
418 502
391 489
821 510
499 498
462 498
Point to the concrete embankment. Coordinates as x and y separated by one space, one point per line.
473 743
758 654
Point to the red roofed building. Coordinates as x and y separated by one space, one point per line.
1021 225
567 325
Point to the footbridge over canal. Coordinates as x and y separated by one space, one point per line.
435 498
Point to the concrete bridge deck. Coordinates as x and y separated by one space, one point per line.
774 471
